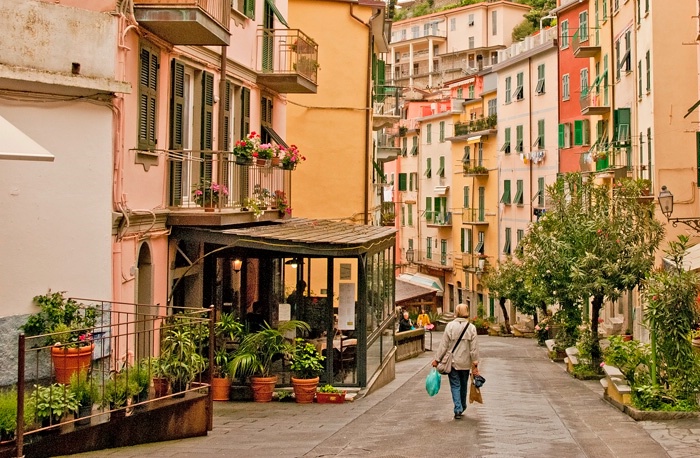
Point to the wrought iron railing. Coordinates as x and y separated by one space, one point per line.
219 10
476 125
287 51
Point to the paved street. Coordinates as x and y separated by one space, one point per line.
532 407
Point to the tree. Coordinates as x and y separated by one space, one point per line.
507 282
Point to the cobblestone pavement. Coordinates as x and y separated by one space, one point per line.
532 407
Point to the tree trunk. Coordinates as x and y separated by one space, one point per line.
502 303
595 314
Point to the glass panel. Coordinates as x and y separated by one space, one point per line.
374 356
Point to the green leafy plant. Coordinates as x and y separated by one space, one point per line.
244 148
227 330
306 360
140 377
630 357
51 403
118 390
8 413
329 389
180 358
258 350
66 321
283 395
84 388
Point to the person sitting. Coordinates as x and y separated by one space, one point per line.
405 323
423 320
255 321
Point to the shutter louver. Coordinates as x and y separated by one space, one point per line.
177 104
207 123
148 86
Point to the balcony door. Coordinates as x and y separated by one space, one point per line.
181 120
268 38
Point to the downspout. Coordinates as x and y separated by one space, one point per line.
222 116
368 118
529 120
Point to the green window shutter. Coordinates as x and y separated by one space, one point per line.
442 131
519 139
428 209
402 182
466 197
578 132
148 99
437 208
462 240
177 108
207 128
506 244
249 8
403 215
441 171
540 133
428 172
227 117
540 191
410 214
505 198
561 136
429 247
410 182
648 62
245 111
518 199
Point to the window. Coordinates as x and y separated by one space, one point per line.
518 93
621 118
616 5
565 135
245 7
467 157
539 141
646 6
564 30
409 208
540 79
471 20
506 244
605 9
471 91
429 209
471 42
519 139
402 182
518 238
648 62
518 199
582 132
506 145
565 91
639 79
428 134
505 197
465 197
429 247
441 170
414 148
540 192
460 92
463 247
626 61
428 172
442 131
508 81
479 248
494 22
404 146
492 108
584 81
403 215
453 24
619 57
583 26
468 240
443 252
148 97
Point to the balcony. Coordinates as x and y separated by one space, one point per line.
476 216
243 184
583 47
433 258
387 149
473 262
186 22
475 127
475 168
388 214
594 102
439 219
287 61
385 104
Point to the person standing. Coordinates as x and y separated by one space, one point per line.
464 358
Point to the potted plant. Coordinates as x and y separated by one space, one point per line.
161 385
8 414
328 394
228 330
291 157
254 205
281 203
265 153
86 394
140 376
117 392
51 403
67 327
243 149
306 366
208 194
179 358
257 352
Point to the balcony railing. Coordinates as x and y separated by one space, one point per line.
473 262
594 101
581 44
187 170
287 61
386 106
476 216
476 125
186 22
441 219
433 258
475 167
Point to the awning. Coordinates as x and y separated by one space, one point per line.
18 146
275 136
475 138
406 291
277 13
441 190
691 259
425 281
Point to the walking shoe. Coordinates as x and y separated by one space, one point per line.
458 416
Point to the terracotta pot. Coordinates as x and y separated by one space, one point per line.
261 162
67 361
304 389
275 161
330 398
220 388
263 388
160 386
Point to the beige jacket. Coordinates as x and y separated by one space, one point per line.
467 350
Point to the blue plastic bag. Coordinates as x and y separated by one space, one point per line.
432 382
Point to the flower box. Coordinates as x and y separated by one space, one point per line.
330 398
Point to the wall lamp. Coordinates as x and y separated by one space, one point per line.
666 204
294 263
409 255
237 264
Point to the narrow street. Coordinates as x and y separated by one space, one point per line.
532 407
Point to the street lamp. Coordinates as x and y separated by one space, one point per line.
666 204
237 264
409 255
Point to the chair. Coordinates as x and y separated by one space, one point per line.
336 356
348 356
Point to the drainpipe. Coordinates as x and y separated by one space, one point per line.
368 108
529 120
222 115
